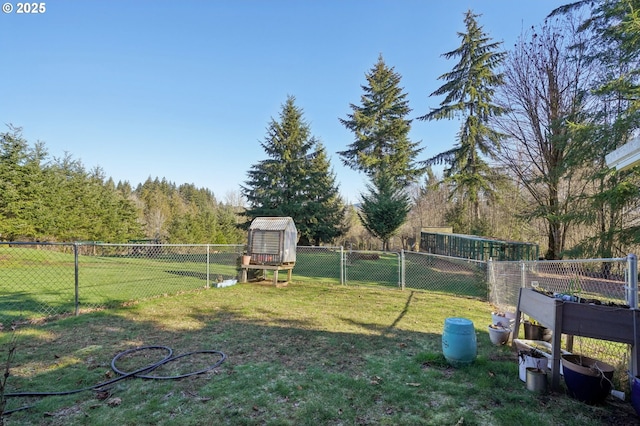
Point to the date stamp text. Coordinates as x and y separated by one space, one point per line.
24 8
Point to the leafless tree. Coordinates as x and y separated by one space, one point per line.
545 91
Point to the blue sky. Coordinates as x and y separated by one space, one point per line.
185 89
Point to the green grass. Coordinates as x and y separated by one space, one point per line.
40 283
305 354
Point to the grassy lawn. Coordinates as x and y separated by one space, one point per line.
305 354
40 283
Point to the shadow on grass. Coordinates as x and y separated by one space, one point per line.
260 357
213 276
285 362
24 306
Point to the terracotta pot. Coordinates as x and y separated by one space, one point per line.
246 259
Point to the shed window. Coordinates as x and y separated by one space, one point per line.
266 242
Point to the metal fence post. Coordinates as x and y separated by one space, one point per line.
523 275
402 270
490 282
632 282
342 266
207 282
632 300
77 270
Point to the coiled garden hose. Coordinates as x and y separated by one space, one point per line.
125 375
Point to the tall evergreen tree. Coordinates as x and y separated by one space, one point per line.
156 212
381 129
385 208
22 187
295 180
59 200
617 25
323 201
469 90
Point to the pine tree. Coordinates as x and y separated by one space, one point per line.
381 129
295 180
616 46
385 208
22 187
468 90
324 201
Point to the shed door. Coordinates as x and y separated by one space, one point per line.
266 242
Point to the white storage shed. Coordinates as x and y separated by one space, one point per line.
272 241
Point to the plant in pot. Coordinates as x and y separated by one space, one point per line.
575 289
499 334
587 379
531 358
503 318
533 330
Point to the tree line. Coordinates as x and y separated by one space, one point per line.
528 162
58 199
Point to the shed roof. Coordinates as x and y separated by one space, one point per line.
272 223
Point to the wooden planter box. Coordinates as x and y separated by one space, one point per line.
612 323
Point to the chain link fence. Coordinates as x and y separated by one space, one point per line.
461 277
372 268
596 281
43 280
319 265
599 279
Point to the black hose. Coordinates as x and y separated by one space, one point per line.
124 375
166 361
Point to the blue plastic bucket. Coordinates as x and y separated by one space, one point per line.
635 394
587 379
459 344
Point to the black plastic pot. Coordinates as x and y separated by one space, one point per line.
533 332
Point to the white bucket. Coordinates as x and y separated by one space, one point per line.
505 320
526 345
526 361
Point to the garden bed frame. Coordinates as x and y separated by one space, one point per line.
612 323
